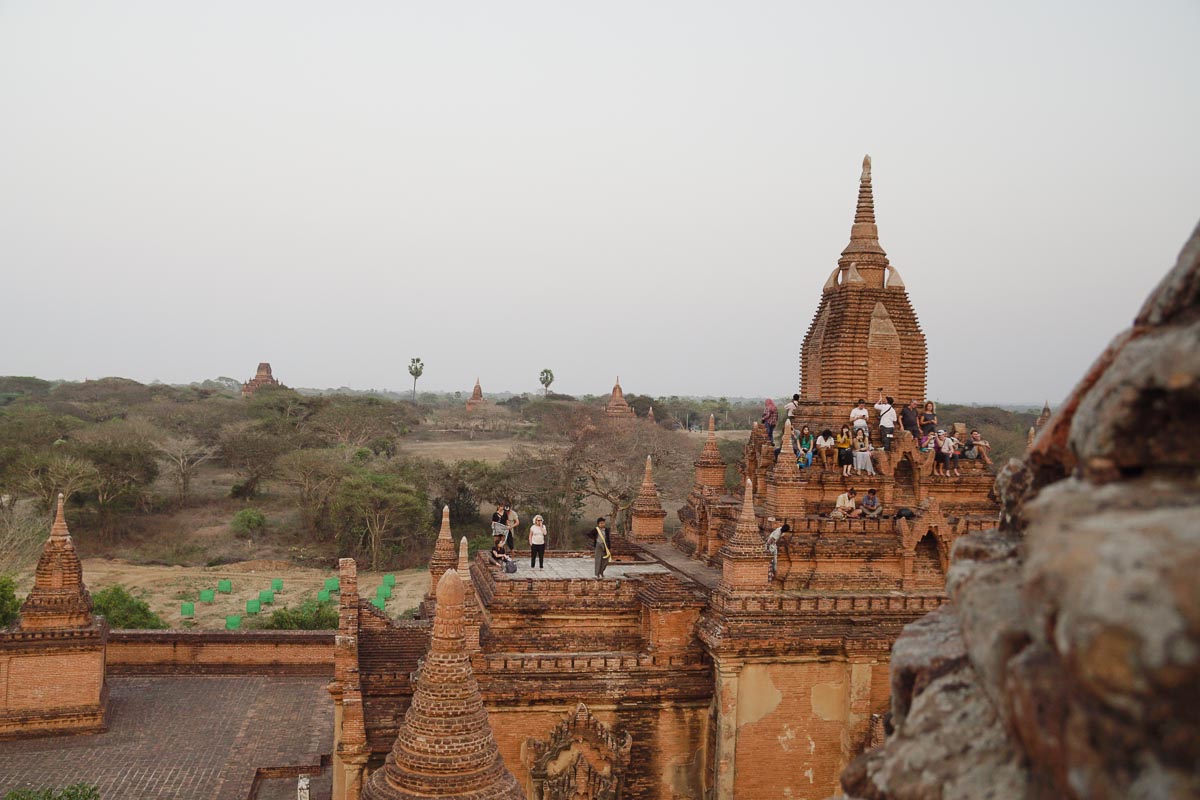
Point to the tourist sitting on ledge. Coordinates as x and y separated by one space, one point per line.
844 444
499 556
945 455
862 453
871 507
859 415
826 448
804 448
978 448
844 507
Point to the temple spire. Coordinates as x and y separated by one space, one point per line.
864 250
865 212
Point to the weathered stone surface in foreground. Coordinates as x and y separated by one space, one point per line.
1068 664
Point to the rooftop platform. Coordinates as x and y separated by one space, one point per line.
577 567
191 738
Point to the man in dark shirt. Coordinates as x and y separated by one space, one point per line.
910 418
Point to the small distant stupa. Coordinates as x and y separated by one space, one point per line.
616 406
476 399
262 377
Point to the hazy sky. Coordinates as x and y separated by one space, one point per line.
651 189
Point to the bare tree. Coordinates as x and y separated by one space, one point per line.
182 456
22 534
315 475
45 476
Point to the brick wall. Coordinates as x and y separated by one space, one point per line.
220 652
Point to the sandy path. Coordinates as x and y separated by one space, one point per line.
164 588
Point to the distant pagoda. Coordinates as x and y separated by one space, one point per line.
617 406
262 377
476 399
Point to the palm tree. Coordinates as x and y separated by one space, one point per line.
546 378
415 368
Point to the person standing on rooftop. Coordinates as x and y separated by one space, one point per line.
887 420
599 537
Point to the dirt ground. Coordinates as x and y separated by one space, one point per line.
492 451
165 588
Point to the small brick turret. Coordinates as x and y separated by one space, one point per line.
744 559
446 747
445 556
59 599
647 514
710 469
52 662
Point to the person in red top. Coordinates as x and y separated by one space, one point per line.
770 418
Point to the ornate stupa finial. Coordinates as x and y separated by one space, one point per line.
864 249
445 748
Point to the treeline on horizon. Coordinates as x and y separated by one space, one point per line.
326 475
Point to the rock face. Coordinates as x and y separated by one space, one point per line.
1068 662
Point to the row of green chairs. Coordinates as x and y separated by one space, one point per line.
267 596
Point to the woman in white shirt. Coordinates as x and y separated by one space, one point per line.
537 542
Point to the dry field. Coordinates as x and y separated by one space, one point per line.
164 588
492 451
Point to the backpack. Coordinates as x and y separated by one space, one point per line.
510 567
905 513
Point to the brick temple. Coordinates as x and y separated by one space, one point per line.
476 400
695 668
262 377
617 406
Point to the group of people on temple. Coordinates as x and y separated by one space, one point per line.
505 522
851 447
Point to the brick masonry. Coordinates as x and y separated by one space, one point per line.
192 738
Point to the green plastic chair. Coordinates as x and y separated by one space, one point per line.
277 584
187 610
266 596
379 603
333 584
233 622
384 592
253 606
389 580
323 596
225 587
207 595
